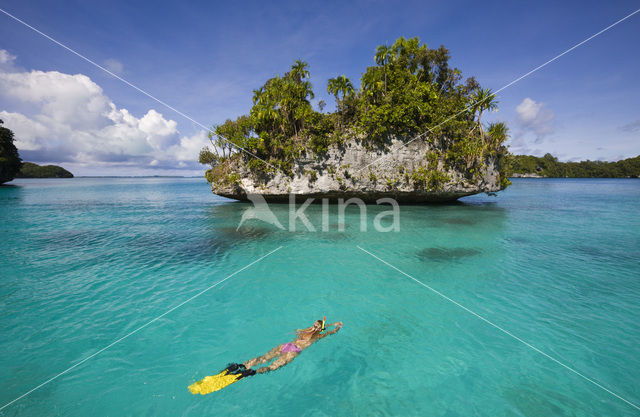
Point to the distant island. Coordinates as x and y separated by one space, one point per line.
548 166
11 166
31 170
411 131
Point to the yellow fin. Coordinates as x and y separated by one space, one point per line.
214 383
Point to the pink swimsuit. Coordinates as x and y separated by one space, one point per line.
290 347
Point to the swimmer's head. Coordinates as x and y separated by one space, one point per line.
316 328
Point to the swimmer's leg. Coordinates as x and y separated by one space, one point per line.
282 360
264 358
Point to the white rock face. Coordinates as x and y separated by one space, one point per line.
354 171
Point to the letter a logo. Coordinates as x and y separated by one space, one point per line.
259 211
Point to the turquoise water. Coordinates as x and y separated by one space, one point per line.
84 262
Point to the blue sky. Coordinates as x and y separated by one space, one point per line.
205 58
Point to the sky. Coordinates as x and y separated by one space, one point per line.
205 58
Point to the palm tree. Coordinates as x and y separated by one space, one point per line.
307 90
340 84
483 100
287 102
258 93
296 96
299 71
383 56
499 132
321 105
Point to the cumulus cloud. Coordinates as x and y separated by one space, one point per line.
6 57
61 117
114 66
7 61
534 117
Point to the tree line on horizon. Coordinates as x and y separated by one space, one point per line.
31 170
549 166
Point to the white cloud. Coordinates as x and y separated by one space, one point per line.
6 57
60 117
114 66
7 61
30 130
535 117
73 100
160 132
189 147
534 122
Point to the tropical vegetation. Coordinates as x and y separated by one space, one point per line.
10 161
31 170
411 91
549 166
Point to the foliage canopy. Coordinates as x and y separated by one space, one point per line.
31 170
10 161
549 166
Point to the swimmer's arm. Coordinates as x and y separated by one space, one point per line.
334 331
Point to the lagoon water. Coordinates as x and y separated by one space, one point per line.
84 262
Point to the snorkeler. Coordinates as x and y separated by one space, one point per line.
283 354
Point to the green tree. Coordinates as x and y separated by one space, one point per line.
282 105
406 102
340 85
275 128
299 71
337 86
383 56
483 100
208 157
499 133
10 161
230 135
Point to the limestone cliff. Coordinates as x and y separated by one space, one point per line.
415 173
